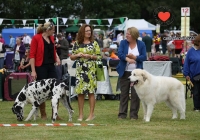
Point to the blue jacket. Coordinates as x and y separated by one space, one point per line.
191 65
123 51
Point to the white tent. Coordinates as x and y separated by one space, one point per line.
121 26
140 24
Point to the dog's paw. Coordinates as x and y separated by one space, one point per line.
70 120
147 120
174 117
72 111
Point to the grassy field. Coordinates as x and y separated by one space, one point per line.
161 127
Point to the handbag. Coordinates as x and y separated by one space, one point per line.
100 71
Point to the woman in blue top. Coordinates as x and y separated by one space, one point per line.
132 53
192 69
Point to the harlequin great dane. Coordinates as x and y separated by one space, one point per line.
38 92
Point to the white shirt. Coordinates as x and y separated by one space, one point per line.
134 51
1 49
27 39
17 57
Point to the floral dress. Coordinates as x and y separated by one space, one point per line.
85 68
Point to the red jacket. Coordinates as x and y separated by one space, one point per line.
178 44
37 49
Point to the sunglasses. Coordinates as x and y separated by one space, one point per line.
50 26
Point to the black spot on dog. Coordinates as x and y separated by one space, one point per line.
42 83
26 86
50 95
57 83
36 104
30 84
53 80
18 109
47 88
62 85
22 97
66 88
35 86
44 90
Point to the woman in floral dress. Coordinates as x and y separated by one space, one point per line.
85 51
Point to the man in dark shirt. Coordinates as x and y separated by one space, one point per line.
164 42
148 42
63 45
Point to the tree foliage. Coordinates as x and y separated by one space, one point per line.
93 9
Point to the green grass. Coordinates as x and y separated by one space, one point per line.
161 127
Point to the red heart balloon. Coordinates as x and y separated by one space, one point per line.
164 16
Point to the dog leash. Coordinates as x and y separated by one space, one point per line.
190 82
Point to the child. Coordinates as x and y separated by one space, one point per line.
25 64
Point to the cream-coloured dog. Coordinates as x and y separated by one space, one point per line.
154 89
2 70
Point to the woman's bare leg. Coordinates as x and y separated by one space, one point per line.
92 102
81 99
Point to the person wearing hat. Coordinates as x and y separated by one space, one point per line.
191 71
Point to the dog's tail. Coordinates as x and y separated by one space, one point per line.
68 101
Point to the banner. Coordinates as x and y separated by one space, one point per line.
75 21
54 20
110 20
47 20
64 20
87 21
36 21
121 20
1 20
99 21
24 22
12 21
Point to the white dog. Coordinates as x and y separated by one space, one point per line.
153 89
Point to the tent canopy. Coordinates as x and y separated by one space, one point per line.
72 29
120 27
140 24
16 32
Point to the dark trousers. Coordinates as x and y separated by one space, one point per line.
46 71
124 98
164 48
196 95
157 48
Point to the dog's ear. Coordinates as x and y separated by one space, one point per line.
13 110
144 76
